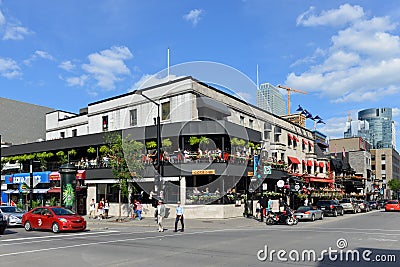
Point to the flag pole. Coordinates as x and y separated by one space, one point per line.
168 63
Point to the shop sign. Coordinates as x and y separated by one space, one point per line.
203 172
20 178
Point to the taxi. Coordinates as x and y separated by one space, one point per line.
54 218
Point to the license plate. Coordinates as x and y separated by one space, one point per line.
322 208
391 208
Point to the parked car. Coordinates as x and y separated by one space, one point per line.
308 213
13 214
330 207
363 205
349 205
3 223
54 218
375 205
392 205
382 202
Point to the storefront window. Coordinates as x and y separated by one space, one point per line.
109 192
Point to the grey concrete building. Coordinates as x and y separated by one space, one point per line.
22 122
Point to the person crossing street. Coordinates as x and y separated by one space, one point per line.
179 217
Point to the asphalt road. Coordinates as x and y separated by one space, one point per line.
237 242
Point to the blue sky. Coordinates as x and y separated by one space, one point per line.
66 54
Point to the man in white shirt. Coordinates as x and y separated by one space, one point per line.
179 217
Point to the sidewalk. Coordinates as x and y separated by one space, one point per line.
232 223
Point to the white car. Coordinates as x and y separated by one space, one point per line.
13 215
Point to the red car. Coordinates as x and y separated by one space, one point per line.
55 219
392 205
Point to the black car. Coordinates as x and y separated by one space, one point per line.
363 205
382 202
330 207
3 223
375 205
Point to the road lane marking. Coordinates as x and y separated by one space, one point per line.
384 240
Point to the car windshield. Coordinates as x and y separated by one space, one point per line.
11 210
372 202
324 202
345 201
303 209
62 211
393 202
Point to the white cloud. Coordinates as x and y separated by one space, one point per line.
194 16
38 54
334 127
108 66
67 65
15 32
9 68
334 17
2 19
362 63
77 81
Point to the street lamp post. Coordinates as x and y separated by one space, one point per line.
158 125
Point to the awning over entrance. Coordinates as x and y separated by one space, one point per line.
35 191
80 175
320 180
309 163
310 143
321 164
54 190
290 136
293 160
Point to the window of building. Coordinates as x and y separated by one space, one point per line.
383 167
267 135
74 132
241 120
277 138
383 157
373 167
109 192
62 134
165 111
251 123
105 123
133 116
373 157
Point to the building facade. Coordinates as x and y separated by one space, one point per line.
271 99
188 108
382 131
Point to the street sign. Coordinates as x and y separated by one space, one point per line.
265 186
267 170
280 183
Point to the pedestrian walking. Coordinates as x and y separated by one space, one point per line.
179 217
100 209
92 209
139 208
106 208
160 215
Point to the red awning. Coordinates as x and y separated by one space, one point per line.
54 176
304 142
321 164
290 136
321 180
304 162
294 160
310 143
328 166
309 163
81 175
315 163
55 190
295 138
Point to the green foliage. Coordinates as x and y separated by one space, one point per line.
193 140
72 152
62 157
151 144
91 150
104 150
125 159
166 142
394 185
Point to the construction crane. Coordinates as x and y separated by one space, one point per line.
288 94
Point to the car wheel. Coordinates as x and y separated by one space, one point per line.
335 213
55 228
28 226
341 212
322 216
354 211
313 217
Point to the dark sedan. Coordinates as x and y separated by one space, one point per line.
3 223
330 207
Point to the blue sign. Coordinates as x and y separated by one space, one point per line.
20 178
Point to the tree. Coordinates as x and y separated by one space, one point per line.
126 162
62 157
91 150
394 185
